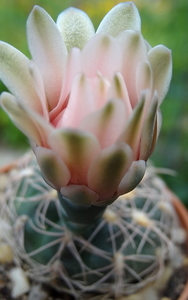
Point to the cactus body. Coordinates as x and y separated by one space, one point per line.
125 249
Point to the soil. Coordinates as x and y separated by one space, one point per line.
176 284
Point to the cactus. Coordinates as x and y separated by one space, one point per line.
120 252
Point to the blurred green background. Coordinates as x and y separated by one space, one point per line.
163 22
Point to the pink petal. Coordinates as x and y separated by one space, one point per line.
77 149
100 91
118 89
108 169
48 51
80 103
132 177
134 52
79 194
107 123
73 67
53 168
102 55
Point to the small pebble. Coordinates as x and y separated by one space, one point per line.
6 253
37 293
20 282
147 293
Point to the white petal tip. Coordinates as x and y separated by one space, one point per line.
123 16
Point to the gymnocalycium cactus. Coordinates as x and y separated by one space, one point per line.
89 104
125 249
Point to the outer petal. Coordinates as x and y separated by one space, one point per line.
156 130
77 149
108 169
53 168
31 124
48 51
107 123
131 134
122 17
159 122
76 27
149 130
39 87
15 74
135 52
161 64
144 80
79 194
132 177
102 55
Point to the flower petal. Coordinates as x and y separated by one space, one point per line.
48 51
27 120
73 67
161 64
132 132
20 117
108 169
107 123
121 17
15 74
53 168
135 52
79 194
39 87
80 103
76 27
156 130
102 55
132 177
100 91
148 130
118 89
77 149
144 79
159 122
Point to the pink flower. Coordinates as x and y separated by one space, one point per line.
88 102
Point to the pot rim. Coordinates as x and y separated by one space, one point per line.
181 211
183 218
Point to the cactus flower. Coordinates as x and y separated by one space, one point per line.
88 101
